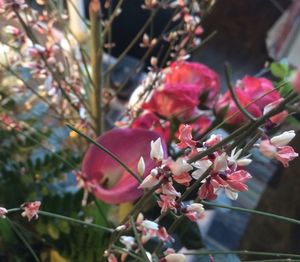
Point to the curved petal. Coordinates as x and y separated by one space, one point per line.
111 182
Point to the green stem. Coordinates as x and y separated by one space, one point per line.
123 250
242 252
113 156
233 94
96 34
72 220
138 239
266 214
23 239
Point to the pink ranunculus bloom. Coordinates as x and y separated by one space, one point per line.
174 100
295 80
205 79
226 107
255 88
150 121
111 182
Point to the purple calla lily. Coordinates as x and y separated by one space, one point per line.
110 181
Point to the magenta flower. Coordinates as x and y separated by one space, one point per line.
111 182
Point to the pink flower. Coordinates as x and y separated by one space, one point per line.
201 124
255 88
185 137
150 121
202 77
277 148
3 212
31 209
295 79
226 107
194 211
278 118
207 191
237 180
166 203
111 182
174 100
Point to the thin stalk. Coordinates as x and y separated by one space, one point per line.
241 252
261 213
274 260
123 250
69 219
96 56
113 156
138 239
24 240
234 96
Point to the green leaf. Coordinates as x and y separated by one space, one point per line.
280 70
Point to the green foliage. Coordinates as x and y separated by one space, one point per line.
280 69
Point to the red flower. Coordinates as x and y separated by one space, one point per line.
227 106
178 100
255 88
150 121
111 182
202 77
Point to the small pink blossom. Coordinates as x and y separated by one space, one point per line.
3 212
207 191
278 118
277 148
31 210
185 137
194 211
166 203
213 140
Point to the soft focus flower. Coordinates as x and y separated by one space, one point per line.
166 203
150 121
185 137
226 107
127 241
277 148
3 212
201 167
111 182
176 100
278 118
295 80
31 209
259 89
194 211
175 258
202 77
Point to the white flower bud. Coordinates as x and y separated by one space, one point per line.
175 258
141 166
157 151
283 139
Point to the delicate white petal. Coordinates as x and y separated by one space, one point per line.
149 225
231 194
175 258
141 166
196 207
243 161
180 166
283 139
127 241
220 163
149 182
201 166
157 151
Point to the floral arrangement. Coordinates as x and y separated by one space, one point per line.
160 166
